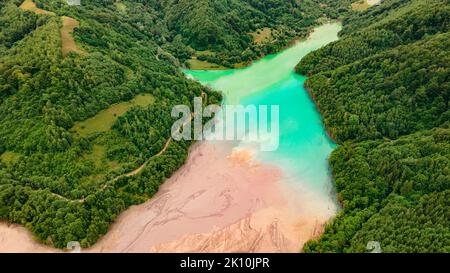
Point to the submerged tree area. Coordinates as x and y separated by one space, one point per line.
383 92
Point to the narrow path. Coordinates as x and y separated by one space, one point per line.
140 168
132 173
136 171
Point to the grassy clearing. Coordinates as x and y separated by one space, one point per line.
195 64
121 7
360 5
241 65
262 35
31 6
9 157
204 52
98 156
103 121
102 165
373 2
68 43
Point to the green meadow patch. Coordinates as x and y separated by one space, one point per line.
262 35
120 6
360 5
98 156
9 157
105 119
195 64
68 43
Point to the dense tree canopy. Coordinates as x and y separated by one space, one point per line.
64 185
61 185
224 27
383 91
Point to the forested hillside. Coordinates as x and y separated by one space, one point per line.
61 183
85 114
220 32
224 28
86 93
383 92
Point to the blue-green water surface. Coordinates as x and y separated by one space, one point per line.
304 146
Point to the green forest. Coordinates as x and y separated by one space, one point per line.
85 135
383 92
215 31
81 112
61 185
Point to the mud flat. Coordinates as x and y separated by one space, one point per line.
221 200
15 238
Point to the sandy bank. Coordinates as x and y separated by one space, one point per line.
220 201
15 238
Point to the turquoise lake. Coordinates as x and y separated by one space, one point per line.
304 147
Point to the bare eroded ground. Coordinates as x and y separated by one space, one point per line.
31 6
15 238
220 201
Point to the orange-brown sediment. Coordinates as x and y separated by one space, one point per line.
220 201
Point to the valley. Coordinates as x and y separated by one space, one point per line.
87 154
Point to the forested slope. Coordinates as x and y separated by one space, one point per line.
66 185
60 185
217 31
383 92
212 30
224 27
